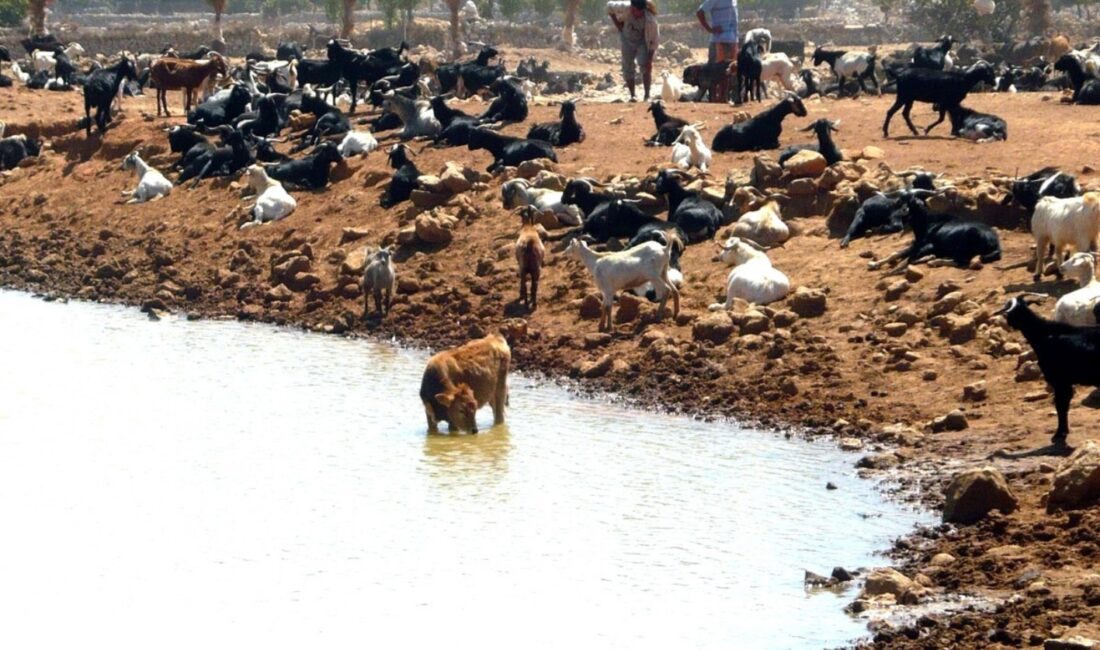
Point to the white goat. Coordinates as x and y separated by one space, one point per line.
779 68
379 277
760 36
44 60
671 87
690 150
415 114
357 143
1078 307
273 202
152 185
763 225
613 272
753 277
1063 223
18 73
518 192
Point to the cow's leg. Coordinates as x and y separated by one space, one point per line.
433 424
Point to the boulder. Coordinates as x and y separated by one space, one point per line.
886 581
597 368
591 307
975 493
1071 643
765 171
716 328
432 228
530 168
353 234
807 303
455 179
871 152
1077 481
806 164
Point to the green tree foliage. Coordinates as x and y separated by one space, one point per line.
958 18
12 12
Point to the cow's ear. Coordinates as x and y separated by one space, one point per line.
446 399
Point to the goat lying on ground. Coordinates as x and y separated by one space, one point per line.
753 277
272 201
941 239
152 185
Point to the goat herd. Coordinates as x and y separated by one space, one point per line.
233 129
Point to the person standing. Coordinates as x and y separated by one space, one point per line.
639 35
719 19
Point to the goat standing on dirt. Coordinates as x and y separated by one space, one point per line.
529 256
168 73
379 277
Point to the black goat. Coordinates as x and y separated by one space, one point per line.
749 70
311 172
456 124
289 50
885 213
510 104
933 58
331 121
706 77
267 122
945 89
100 91
824 129
761 131
810 82
14 148
537 72
319 73
562 133
228 159
942 237
1048 181
1086 88
668 127
509 151
216 112
972 125
474 75
1068 355
63 66
698 218
370 67
198 53
5 53
405 178
44 42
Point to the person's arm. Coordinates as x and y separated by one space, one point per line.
702 17
615 19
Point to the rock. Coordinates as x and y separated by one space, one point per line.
886 581
975 493
1029 371
425 200
407 286
549 180
953 421
840 574
591 307
353 234
812 579
807 303
895 329
976 392
716 328
432 184
1071 643
806 164
830 486
877 461
871 152
406 235
765 171
514 329
802 187
913 274
896 289
851 444
531 168
593 341
784 318
279 293
788 387
597 368
454 178
434 228
1077 481
942 559
753 322
946 304
630 307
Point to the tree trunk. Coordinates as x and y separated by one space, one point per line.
454 6
347 28
568 34
37 10
1038 17
218 26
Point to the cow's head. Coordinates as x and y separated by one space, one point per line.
461 407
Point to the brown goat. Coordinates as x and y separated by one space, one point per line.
529 256
170 73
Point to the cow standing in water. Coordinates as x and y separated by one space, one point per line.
458 382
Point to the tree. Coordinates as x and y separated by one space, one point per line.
888 7
1038 17
347 24
219 8
455 6
568 33
36 10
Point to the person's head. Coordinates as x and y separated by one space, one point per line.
637 7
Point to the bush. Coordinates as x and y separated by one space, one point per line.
958 18
12 12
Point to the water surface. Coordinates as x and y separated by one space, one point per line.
190 485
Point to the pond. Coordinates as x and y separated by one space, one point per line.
182 484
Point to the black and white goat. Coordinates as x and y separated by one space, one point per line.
944 89
1086 88
972 125
935 58
668 127
698 218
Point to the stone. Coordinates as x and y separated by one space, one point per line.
430 183
878 461
896 289
840 574
630 307
406 235
976 392
434 228
597 368
913 274
1071 643
765 171
802 187
715 328
454 178
591 307
1077 481
953 421
942 559
407 286
851 444
946 304
425 200
279 293
531 168
871 152
885 581
806 164
807 303
1029 371
753 322
593 341
353 234
549 180
974 493
895 329
784 318
788 387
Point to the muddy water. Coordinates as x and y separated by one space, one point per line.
213 484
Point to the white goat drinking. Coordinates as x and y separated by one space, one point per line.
152 185
753 277
614 272
1078 307
690 150
273 202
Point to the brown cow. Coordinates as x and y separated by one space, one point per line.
458 382
170 73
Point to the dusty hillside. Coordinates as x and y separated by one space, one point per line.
851 370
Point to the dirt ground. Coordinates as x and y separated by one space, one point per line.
65 232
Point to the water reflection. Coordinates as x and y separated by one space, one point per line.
482 456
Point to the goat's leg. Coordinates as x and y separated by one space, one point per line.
908 120
889 260
202 173
389 300
1040 257
889 116
1063 395
535 290
933 125
523 288
366 304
